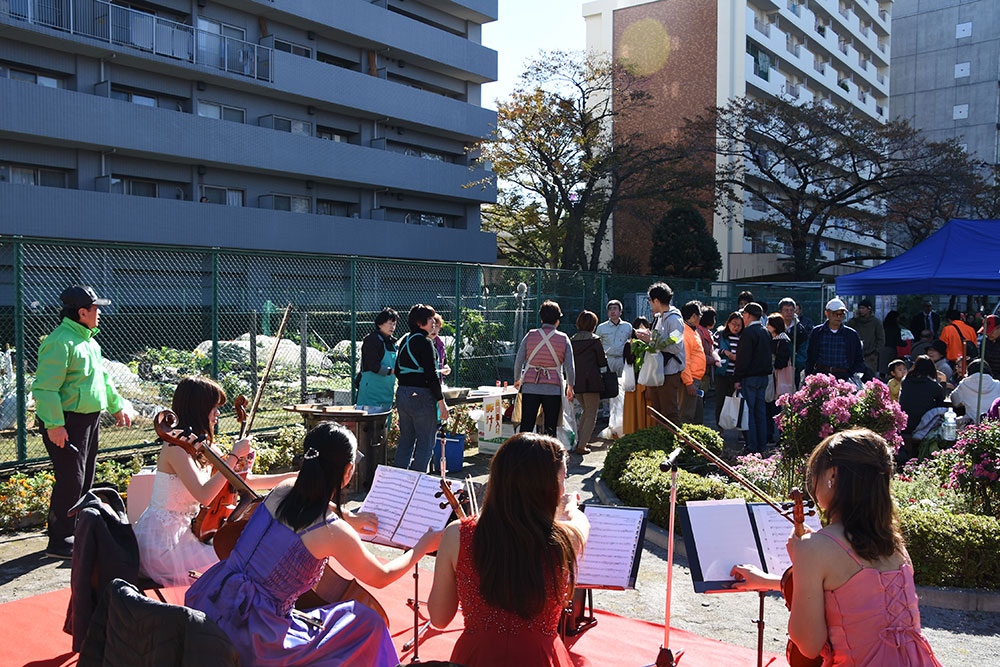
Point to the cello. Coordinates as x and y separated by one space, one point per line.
796 515
214 515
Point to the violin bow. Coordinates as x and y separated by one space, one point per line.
715 459
248 424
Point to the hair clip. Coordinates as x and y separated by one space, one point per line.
311 453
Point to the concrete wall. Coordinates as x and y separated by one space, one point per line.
925 88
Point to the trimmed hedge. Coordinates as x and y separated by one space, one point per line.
946 549
661 440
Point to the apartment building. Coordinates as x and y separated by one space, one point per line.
945 69
330 127
700 54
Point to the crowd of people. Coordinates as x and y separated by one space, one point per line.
512 567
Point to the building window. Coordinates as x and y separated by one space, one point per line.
221 195
221 112
294 49
293 126
330 207
291 203
133 186
23 175
963 30
134 98
331 134
962 70
424 219
34 77
960 112
336 61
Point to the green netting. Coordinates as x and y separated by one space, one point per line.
179 311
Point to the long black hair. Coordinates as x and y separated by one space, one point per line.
518 540
328 449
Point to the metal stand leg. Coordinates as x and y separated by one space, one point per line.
760 631
666 657
416 614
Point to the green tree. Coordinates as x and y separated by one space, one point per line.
526 235
683 246
556 143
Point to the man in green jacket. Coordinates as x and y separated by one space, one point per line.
71 388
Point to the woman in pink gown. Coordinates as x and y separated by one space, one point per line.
512 568
854 602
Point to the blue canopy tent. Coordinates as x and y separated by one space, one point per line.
963 257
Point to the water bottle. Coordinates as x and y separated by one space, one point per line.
949 430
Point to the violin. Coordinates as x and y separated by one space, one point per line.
796 517
214 515
792 652
456 505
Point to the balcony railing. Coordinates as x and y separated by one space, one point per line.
762 27
135 29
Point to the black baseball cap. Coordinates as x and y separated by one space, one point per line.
82 296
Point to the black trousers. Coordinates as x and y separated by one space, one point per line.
74 471
529 412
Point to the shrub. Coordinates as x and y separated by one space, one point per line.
825 405
952 549
279 452
22 496
660 440
118 473
977 468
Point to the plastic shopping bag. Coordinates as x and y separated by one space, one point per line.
628 378
651 373
734 413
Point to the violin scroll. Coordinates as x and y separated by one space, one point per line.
165 425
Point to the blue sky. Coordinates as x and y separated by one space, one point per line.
525 27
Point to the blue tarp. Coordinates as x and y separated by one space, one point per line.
963 257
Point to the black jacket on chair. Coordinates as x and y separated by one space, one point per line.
104 549
131 630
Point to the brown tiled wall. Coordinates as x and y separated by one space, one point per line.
681 87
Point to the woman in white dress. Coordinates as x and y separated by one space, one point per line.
168 547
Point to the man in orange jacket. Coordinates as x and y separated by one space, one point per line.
692 396
955 334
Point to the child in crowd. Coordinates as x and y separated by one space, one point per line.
897 371
854 599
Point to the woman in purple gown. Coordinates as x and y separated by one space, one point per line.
282 553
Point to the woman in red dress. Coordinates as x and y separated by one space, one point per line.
513 567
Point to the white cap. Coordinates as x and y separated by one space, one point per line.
835 305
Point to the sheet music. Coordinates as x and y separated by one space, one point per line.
404 502
390 493
724 535
608 558
424 511
773 531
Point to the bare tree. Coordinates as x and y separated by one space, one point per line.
816 168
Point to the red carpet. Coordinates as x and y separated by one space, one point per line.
32 635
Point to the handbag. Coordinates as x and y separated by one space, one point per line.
734 414
610 380
651 374
628 377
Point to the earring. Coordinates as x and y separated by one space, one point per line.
829 483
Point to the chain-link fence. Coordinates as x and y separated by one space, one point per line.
180 311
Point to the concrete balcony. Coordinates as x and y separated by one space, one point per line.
361 20
96 216
98 123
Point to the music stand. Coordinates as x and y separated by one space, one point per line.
666 657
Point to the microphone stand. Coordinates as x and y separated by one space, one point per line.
666 657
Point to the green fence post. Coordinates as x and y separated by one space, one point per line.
215 314
604 294
538 295
354 327
458 325
22 436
